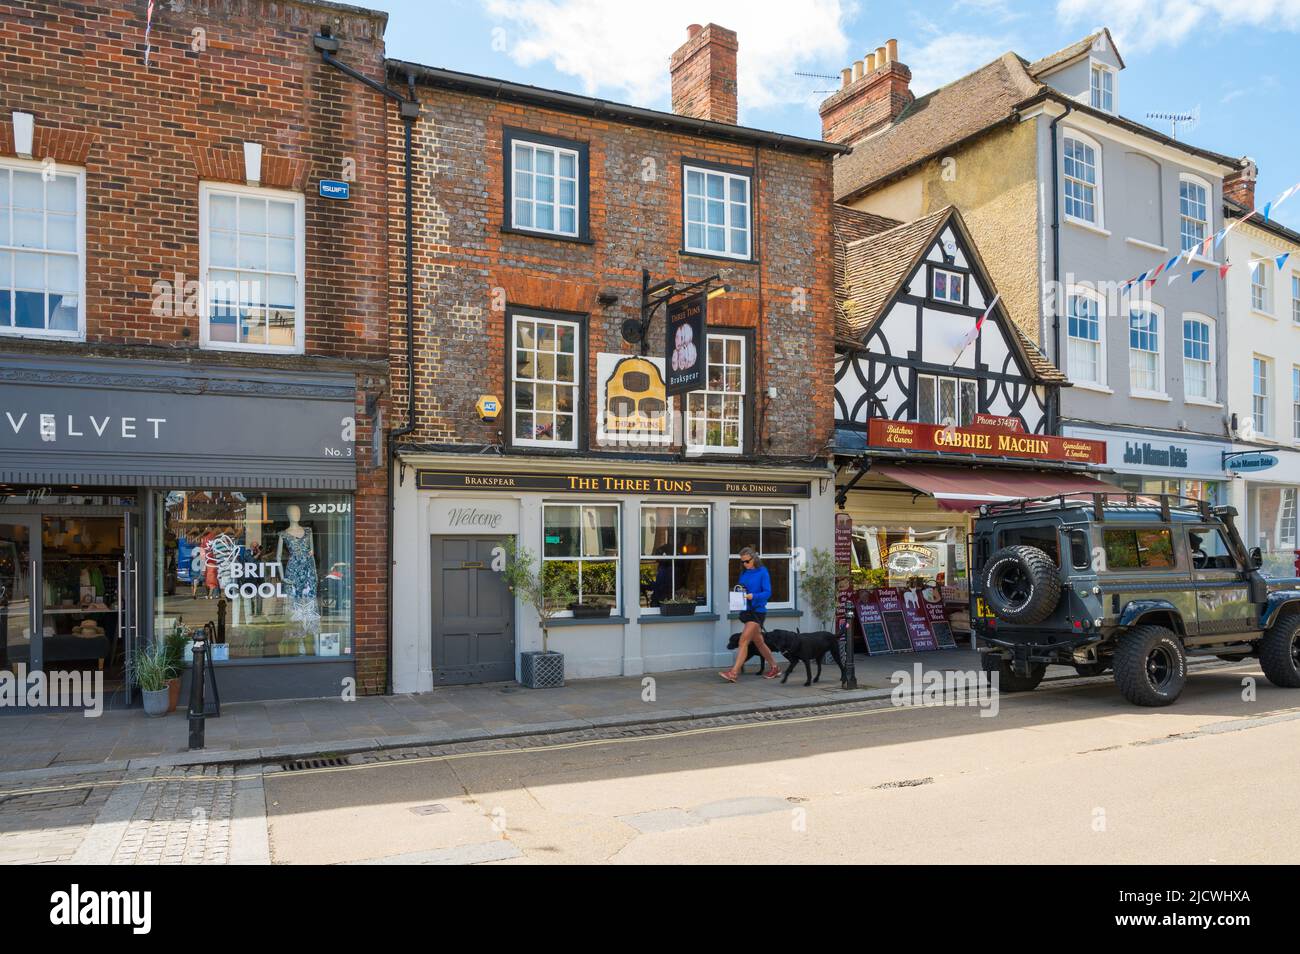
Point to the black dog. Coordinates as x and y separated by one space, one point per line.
804 647
734 643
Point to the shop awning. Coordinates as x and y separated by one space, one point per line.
960 488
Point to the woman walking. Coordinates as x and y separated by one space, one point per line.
756 582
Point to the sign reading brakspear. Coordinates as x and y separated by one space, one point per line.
686 348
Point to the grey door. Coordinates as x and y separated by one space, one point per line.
473 620
20 609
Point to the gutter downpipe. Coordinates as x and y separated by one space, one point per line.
409 110
1056 258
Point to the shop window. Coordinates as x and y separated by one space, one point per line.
770 532
1138 548
42 240
252 262
674 556
946 400
717 212
948 286
1271 526
546 185
281 562
545 365
580 555
715 415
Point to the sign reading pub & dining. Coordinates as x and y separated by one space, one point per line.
607 484
983 441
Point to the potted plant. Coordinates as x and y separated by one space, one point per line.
546 593
151 675
820 585
589 610
174 651
678 606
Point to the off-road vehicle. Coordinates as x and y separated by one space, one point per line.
1135 583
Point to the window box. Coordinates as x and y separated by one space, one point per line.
589 610
682 608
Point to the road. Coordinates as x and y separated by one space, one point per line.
1069 773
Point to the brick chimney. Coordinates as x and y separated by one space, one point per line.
873 92
1239 186
704 74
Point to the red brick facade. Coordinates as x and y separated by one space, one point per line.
867 103
221 73
704 74
468 271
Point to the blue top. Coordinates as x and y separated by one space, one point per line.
755 580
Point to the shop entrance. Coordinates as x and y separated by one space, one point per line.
69 587
473 620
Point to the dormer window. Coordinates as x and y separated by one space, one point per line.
1103 88
947 286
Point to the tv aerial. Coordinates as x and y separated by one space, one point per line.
1186 121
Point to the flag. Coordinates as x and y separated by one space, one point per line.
148 28
1267 207
1287 194
1254 265
1173 277
1197 274
974 333
1223 270
1281 260
1159 269
1173 261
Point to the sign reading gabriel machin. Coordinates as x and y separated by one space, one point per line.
983 442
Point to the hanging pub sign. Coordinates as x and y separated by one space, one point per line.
634 408
685 346
982 441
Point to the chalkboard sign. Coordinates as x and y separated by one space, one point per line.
890 599
872 623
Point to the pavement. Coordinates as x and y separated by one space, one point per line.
55 743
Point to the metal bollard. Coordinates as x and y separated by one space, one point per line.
198 679
850 680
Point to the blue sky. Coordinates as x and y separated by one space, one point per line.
1233 60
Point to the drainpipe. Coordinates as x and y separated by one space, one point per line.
409 110
1056 254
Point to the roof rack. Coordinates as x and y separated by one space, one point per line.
1117 502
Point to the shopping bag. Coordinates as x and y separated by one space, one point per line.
736 599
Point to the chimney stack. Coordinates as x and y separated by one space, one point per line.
871 100
1239 186
704 74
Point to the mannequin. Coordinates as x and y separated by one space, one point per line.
299 573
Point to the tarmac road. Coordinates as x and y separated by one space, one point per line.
1070 773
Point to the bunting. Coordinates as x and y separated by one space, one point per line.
148 28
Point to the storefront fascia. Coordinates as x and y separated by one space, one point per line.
1267 501
1163 462
512 498
233 458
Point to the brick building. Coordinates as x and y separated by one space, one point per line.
193 348
542 218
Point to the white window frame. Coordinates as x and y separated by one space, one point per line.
1295 297
1094 89
958 386
1295 404
206 191
1098 204
1261 286
555 199
1100 303
1158 315
7 166
1184 218
704 392
727 178
934 285
1211 385
617 559
789 557
1260 403
706 559
579 380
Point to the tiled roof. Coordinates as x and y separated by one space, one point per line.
850 225
962 109
870 271
1076 49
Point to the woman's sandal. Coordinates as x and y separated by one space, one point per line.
772 673
728 675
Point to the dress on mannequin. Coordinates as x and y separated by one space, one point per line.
299 571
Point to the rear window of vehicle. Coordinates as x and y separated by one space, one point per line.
1138 548
1080 552
1042 537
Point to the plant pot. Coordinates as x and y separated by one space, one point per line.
544 670
581 611
155 701
677 609
173 694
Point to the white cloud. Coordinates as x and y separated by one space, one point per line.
621 49
1140 25
951 55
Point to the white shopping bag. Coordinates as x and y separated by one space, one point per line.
737 599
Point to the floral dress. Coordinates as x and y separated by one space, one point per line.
300 578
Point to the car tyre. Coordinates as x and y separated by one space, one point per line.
1021 585
1279 652
1150 666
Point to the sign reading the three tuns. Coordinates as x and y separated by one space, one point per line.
598 483
686 348
983 442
